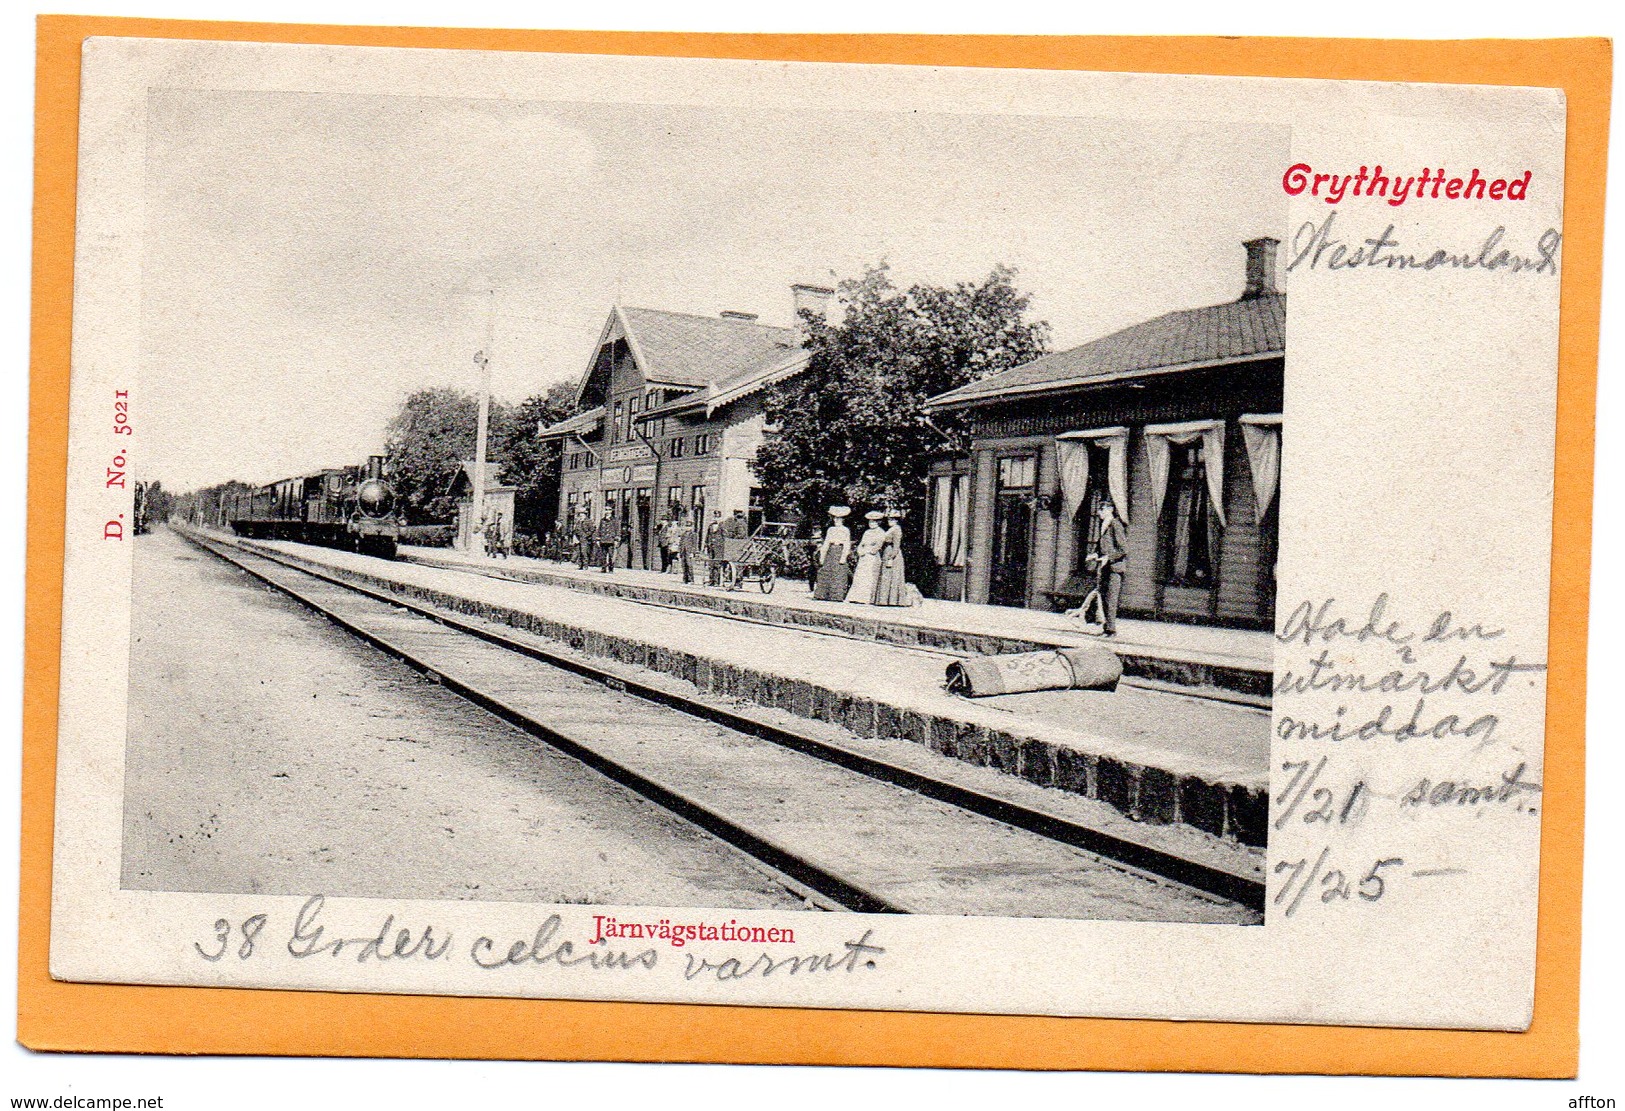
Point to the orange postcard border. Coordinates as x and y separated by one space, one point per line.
122 1018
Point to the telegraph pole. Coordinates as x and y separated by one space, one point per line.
483 360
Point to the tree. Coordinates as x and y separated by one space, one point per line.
153 504
432 433
852 427
530 464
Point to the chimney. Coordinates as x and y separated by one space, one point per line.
730 314
813 298
375 466
1260 268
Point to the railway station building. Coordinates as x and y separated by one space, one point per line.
671 416
1175 421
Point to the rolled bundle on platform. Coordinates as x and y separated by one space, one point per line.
1094 667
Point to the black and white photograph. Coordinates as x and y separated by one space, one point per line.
796 534
621 504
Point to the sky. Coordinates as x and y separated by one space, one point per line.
310 259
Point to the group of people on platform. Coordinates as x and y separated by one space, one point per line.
872 573
496 539
677 541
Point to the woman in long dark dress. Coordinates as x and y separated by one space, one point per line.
834 576
889 591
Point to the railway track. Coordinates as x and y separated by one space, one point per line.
793 802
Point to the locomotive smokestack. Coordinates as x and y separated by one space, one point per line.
375 466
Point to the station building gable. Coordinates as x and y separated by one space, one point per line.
1176 422
672 417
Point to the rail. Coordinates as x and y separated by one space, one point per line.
1130 855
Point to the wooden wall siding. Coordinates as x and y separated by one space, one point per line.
628 379
1242 594
1140 591
1066 539
981 530
1041 564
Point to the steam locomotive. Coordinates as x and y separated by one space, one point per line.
348 507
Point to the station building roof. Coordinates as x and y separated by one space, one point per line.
1188 339
581 424
683 349
711 360
462 479
734 387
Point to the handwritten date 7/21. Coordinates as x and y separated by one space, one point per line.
1333 883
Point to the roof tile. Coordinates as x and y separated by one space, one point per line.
1215 333
700 351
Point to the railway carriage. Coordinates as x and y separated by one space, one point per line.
353 508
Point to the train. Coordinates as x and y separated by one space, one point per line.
353 508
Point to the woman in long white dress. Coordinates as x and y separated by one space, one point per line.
866 576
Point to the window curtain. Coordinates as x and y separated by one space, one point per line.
1073 454
1117 472
956 520
942 517
1261 432
1211 433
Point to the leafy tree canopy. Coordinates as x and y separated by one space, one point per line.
530 464
852 428
432 433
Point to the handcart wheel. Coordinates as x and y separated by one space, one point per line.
769 578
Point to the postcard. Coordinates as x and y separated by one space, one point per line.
798 534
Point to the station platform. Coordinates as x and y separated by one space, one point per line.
1238 663
1155 756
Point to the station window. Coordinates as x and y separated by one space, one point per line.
676 449
617 434
1086 525
1187 521
1016 472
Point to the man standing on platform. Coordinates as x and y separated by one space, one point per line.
1113 551
714 548
608 538
581 537
669 530
688 544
